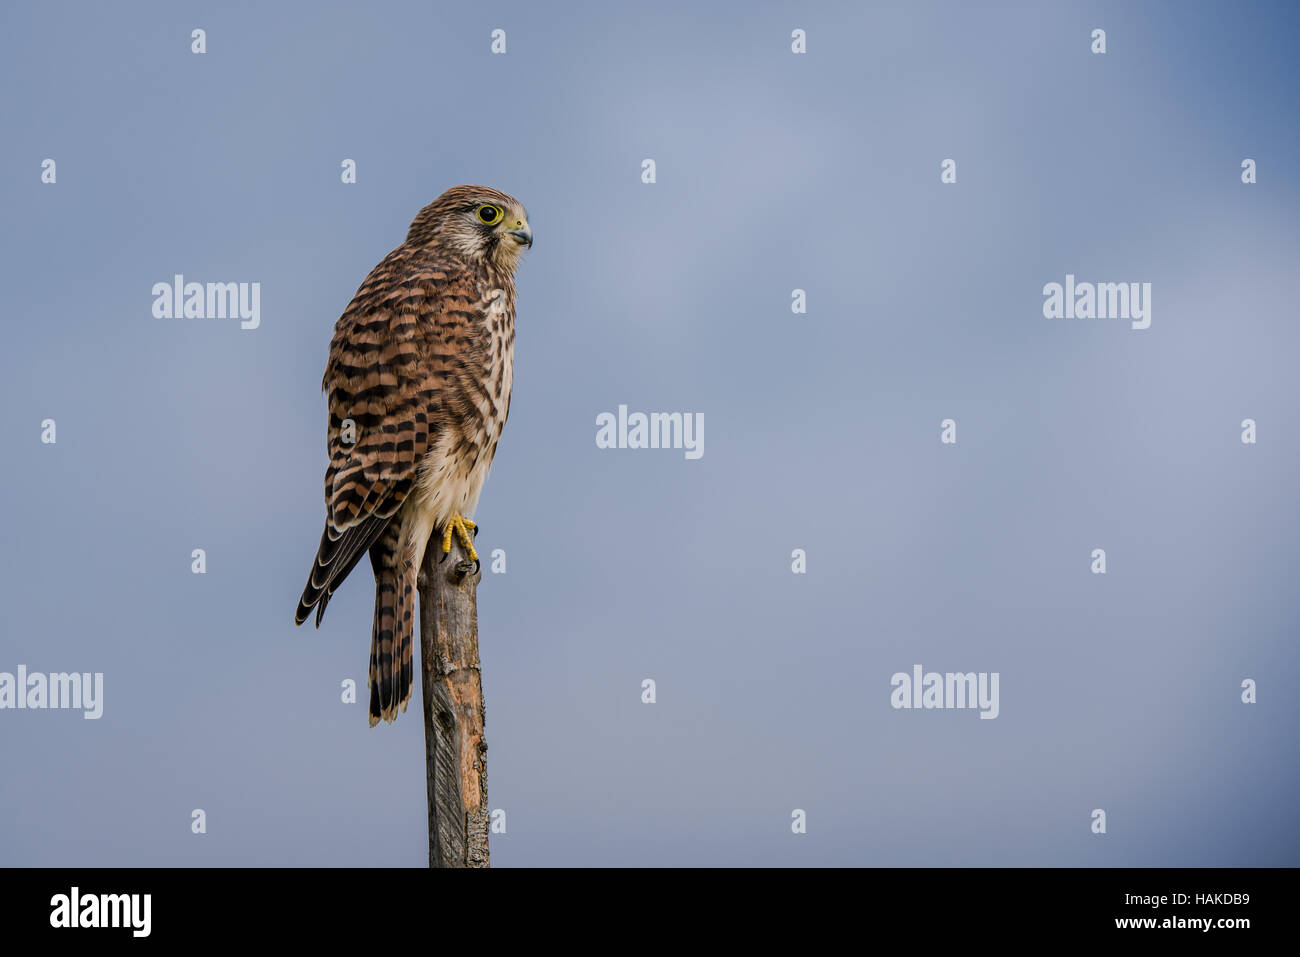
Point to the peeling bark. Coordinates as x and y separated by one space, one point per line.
454 745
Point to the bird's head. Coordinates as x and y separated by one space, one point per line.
476 222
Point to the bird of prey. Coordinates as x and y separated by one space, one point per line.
418 383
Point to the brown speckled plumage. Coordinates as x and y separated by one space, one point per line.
422 363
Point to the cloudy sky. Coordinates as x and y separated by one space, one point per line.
774 172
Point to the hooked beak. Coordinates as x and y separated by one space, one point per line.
523 235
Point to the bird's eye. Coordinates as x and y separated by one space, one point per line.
489 215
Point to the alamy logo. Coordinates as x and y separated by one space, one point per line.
102 910
1103 300
35 690
658 430
950 690
179 299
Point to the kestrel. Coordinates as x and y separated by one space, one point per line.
418 384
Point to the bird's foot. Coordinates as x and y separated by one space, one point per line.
461 527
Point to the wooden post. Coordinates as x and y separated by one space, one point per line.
455 750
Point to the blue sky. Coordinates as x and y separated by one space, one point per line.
775 172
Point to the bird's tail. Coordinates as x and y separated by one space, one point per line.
391 642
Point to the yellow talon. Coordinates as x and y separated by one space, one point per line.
462 527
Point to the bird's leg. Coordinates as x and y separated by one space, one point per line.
462 527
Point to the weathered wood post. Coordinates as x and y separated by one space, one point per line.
455 752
